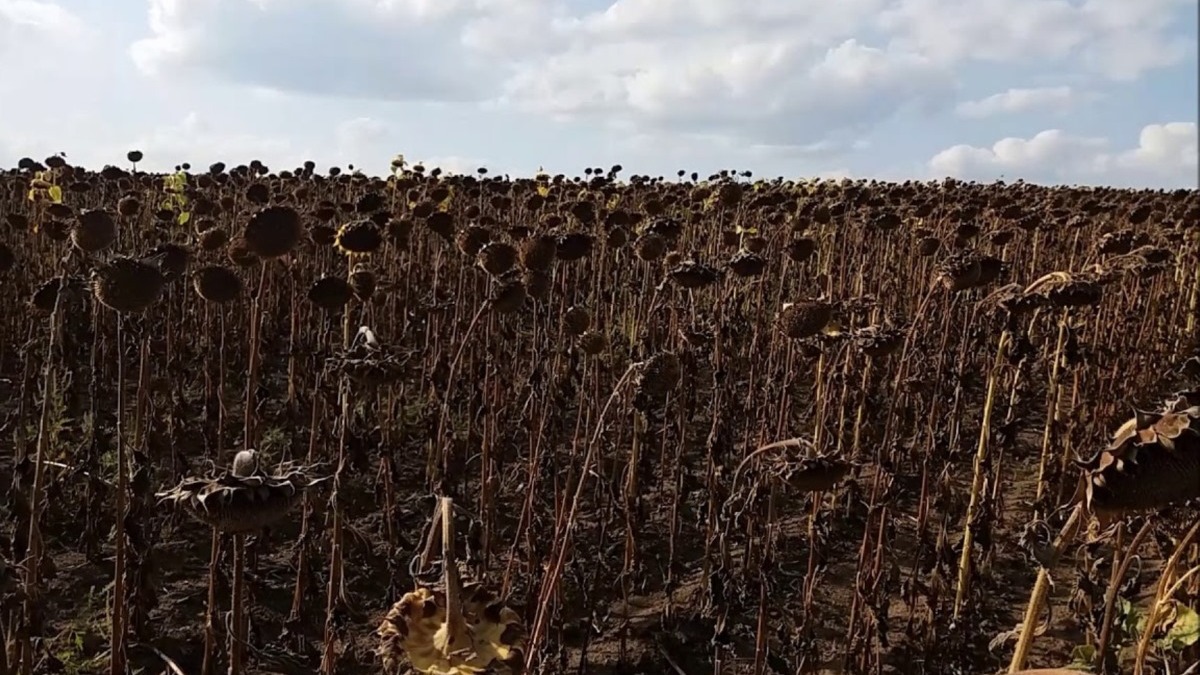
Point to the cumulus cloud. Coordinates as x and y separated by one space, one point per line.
792 86
21 17
770 72
359 134
381 49
30 27
791 69
772 92
193 139
1170 148
1165 154
776 72
1114 38
1039 99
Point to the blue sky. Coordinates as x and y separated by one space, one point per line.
1055 91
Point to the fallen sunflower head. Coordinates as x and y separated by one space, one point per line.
418 629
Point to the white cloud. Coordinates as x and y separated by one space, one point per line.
46 18
1115 38
1166 154
771 72
771 91
33 31
194 140
792 87
1050 99
358 135
383 49
1171 148
775 72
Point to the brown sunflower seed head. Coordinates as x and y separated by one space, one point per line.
95 230
497 258
801 249
273 232
730 195
693 275
966 232
574 246
1002 237
127 285
928 246
879 341
441 223
747 264
471 239
218 284
754 243
577 320
650 247
593 343
617 237
56 230
129 206
359 236
537 284
330 293
507 297
815 474
60 211
1154 255
1119 242
960 271
213 239
991 269
240 504
172 259
8 259
322 234
538 253
1153 461
805 319
1075 293
399 230
239 254
373 372
46 295
660 374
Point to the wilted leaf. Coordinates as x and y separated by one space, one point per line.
1184 631
1082 656
55 193
1133 622
1001 640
